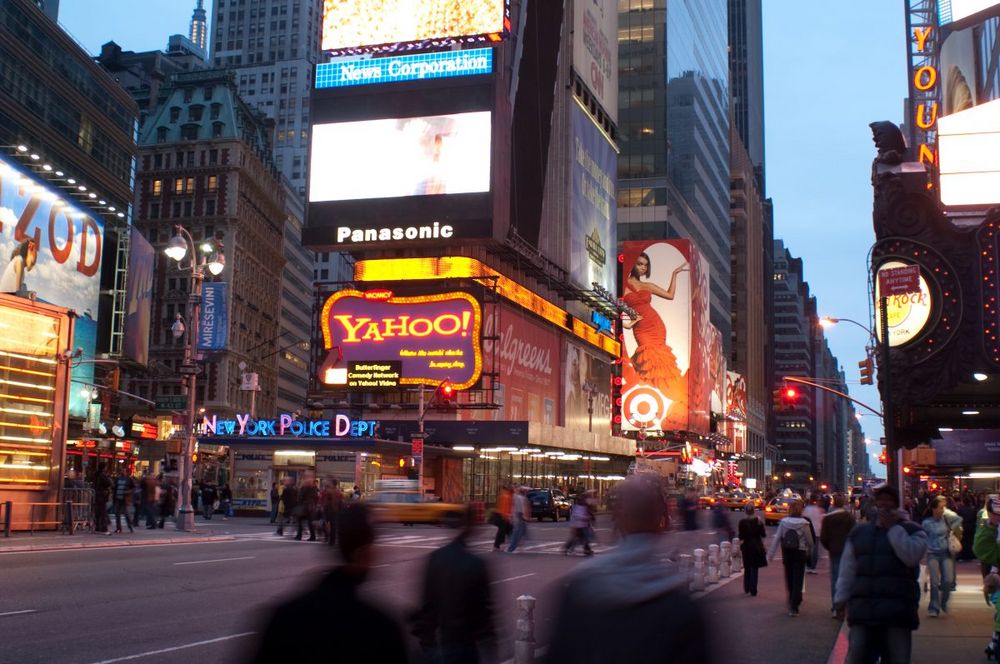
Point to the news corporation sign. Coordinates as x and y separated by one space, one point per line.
417 67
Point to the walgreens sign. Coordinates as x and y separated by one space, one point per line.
434 337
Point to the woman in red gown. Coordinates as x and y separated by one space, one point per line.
653 361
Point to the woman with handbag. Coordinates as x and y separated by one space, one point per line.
944 542
752 534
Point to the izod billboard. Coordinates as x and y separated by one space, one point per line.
432 337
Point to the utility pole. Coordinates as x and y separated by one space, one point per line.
888 421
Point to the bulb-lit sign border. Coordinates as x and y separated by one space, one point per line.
433 343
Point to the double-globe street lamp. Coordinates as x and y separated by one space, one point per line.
212 260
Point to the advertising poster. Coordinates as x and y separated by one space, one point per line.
527 359
433 337
138 297
367 24
396 157
717 370
213 319
736 410
586 391
665 368
593 207
595 50
50 250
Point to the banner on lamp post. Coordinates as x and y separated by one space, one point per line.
213 320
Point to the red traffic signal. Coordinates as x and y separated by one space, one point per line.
866 367
445 393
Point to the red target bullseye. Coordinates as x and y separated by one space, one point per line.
644 406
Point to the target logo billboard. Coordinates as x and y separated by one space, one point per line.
644 406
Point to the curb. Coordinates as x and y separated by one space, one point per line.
114 545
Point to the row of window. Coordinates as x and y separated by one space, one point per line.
182 159
181 209
191 132
187 185
196 112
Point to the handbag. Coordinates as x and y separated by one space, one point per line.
954 544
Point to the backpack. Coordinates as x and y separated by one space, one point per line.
790 539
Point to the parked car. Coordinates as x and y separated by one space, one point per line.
549 504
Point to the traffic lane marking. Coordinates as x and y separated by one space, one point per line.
18 613
512 578
175 648
215 560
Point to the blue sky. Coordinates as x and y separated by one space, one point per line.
827 74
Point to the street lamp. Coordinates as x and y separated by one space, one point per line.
176 249
830 321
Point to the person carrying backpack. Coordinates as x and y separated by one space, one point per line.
796 541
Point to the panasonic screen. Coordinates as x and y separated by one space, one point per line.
396 157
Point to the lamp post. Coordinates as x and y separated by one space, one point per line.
177 249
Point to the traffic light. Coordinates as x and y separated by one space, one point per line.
883 458
445 393
789 396
866 366
777 401
686 453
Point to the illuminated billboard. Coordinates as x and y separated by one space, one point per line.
595 50
50 250
398 157
352 72
593 208
908 313
587 390
138 297
355 26
665 355
956 11
433 337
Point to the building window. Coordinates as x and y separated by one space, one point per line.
158 161
213 156
178 185
215 111
189 186
188 94
175 113
210 207
161 134
157 187
189 132
195 112
187 208
177 209
213 183
208 92
154 211
217 129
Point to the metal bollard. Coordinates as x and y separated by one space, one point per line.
8 507
68 516
737 556
713 564
524 643
725 559
698 576
687 571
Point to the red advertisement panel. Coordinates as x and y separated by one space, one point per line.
665 355
435 337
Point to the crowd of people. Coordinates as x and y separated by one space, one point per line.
308 505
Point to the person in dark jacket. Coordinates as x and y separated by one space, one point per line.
308 502
837 525
123 496
752 533
455 623
333 611
878 582
102 492
630 591
168 498
208 496
289 502
274 501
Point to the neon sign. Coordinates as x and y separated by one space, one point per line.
244 426
433 337
419 66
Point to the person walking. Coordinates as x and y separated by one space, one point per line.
274 501
630 590
877 583
688 505
168 498
795 538
581 517
521 514
149 502
502 515
333 609
813 513
289 501
136 500
208 496
123 495
226 501
752 534
837 525
102 493
941 525
455 623
333 502
308 500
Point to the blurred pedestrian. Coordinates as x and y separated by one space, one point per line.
289 501
226 501
987 540
149 498
356 494
274 501
332 611
878 583
837 526
123 496
333 502
168 498
795 538
102 494
991 590
968 513
308 502
521 514
581 517
942 527
137 507
688 506
208 497
455 621
630 591
720 520
752 534
813 513
501 516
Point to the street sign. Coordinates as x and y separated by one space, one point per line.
189 369
173 402
898 281
417 447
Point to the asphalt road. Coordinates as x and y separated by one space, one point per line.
203 602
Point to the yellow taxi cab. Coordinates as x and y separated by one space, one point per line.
400 501
736 500
777 509
708 501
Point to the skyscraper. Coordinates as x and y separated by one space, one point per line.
746 79
199 27
673 122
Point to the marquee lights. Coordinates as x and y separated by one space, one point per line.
925 92
461 267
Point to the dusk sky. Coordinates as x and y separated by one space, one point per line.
827 75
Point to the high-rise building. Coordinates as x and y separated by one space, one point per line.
831 415
746 80
198 34
673 122
50 7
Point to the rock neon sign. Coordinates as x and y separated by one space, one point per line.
434 337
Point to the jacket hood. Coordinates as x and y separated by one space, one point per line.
631 574
795 522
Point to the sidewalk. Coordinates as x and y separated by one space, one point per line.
216 530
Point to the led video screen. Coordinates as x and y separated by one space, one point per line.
954 11
372 25
397 157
